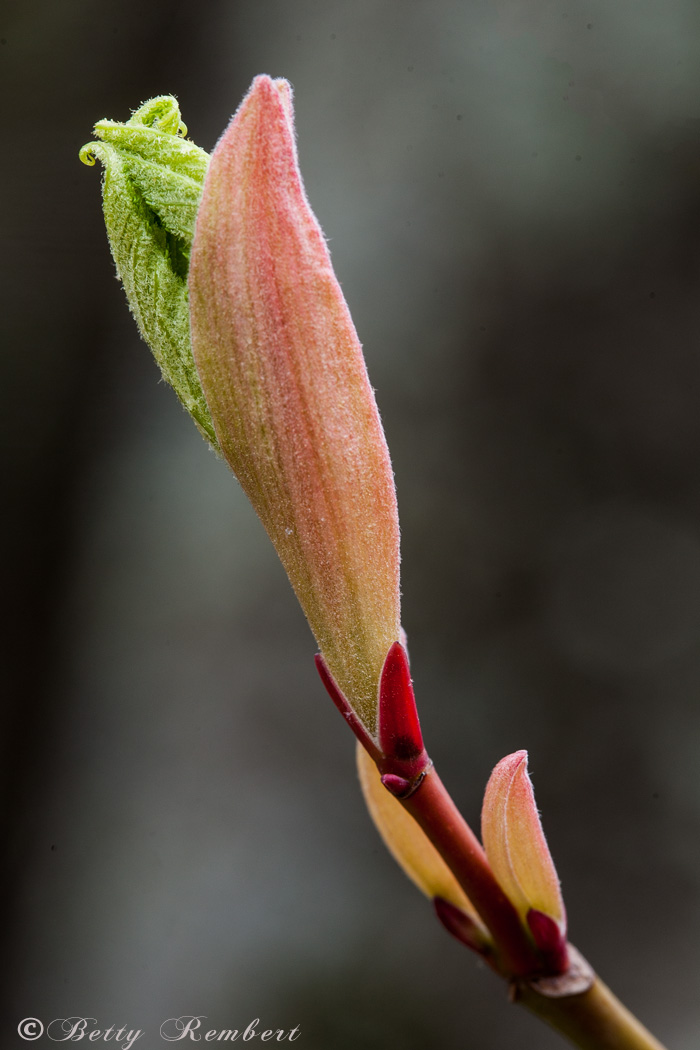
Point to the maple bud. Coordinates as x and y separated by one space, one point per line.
285 380
519 856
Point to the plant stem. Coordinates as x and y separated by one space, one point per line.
595 1020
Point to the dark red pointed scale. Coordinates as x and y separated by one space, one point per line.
550 941
400 735
460 925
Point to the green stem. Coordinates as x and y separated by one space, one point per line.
595 1020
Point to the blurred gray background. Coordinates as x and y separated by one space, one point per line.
511 191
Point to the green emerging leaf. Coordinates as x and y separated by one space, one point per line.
152 185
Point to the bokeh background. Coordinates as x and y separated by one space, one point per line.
511 191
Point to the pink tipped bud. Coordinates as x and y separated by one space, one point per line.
284 378
518 853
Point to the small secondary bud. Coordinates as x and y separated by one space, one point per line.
519 856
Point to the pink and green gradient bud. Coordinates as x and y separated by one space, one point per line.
517 851
283 374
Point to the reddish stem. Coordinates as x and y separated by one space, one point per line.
431 806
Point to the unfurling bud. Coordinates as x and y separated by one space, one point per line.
284 377
152 185
519 856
